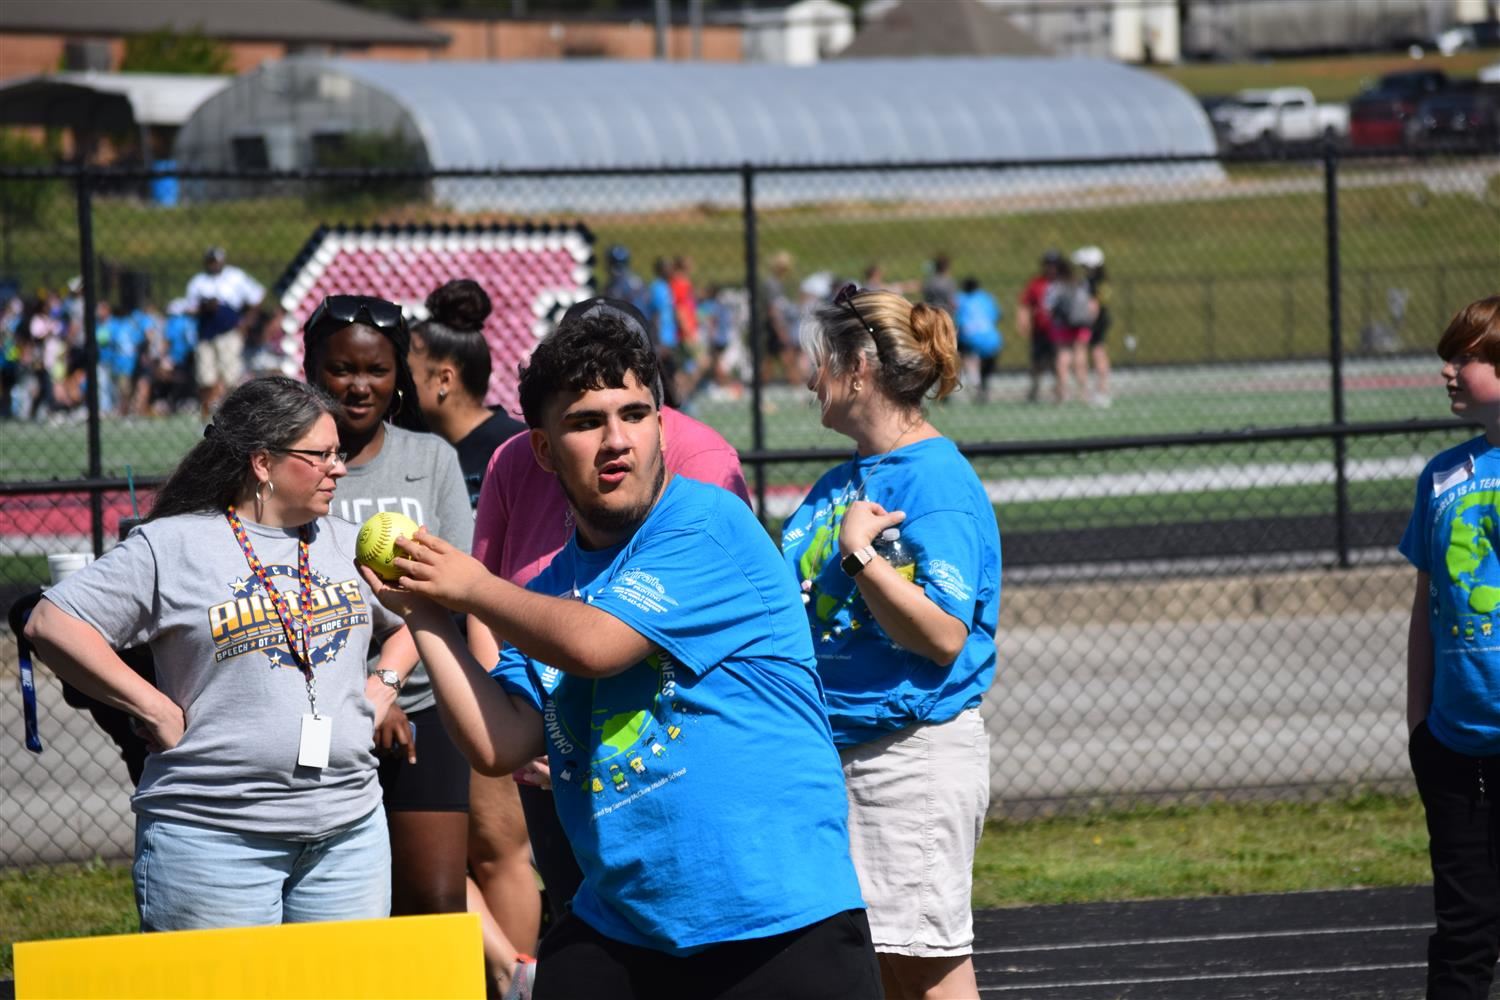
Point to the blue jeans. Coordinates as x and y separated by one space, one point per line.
191 876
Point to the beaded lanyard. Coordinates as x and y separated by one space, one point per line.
296 634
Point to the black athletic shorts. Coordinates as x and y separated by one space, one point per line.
437 782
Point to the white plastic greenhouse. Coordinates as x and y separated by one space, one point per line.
525 116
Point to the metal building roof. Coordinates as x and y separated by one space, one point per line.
562 115
570 114
105 101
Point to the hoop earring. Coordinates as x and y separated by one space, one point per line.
858 385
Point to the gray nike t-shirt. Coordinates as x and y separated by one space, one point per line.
183 586
416 475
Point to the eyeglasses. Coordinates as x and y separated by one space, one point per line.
328 458
845 298
338 311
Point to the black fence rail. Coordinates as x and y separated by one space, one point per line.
1198 559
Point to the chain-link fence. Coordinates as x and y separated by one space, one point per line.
1202 594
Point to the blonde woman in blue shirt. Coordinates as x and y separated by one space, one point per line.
905 654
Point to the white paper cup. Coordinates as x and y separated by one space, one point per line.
64 564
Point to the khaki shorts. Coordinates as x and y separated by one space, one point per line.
221 359
917 800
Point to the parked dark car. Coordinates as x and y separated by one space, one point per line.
1465 117
1385 115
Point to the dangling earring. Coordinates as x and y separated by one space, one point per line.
400 399
858 385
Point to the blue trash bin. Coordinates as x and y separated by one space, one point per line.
164 189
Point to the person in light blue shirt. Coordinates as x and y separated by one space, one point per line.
905 646
662 308
979 340
1453 662
663 663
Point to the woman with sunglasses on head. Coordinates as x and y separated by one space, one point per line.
450 364
905 644
355 347
259 803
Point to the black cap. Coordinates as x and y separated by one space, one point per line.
1052 257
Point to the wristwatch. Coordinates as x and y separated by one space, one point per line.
389 678
855 562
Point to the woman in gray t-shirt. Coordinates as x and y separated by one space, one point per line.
355 347
259 802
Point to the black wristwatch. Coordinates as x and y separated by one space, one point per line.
855 562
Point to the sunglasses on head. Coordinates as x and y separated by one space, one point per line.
338 311
845 298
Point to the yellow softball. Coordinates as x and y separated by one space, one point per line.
376 545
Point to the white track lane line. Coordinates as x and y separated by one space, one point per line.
1202 938
1217 977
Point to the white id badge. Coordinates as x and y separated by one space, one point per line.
317 737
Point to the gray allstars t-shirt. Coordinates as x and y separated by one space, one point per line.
182 585
416 475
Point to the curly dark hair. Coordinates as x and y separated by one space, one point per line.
590 352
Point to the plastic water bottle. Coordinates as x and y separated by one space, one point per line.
899 554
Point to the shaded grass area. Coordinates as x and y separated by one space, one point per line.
1224 849
1221 849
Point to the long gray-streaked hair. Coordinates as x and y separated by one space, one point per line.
264 414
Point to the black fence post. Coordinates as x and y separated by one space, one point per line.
757 320
91 351
1336 354
1208 319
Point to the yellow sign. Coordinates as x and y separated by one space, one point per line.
436 956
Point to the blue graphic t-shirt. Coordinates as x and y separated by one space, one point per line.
874 686
1452 535
700 789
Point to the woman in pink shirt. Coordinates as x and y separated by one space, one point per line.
521 523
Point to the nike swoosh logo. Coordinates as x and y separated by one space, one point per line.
410 478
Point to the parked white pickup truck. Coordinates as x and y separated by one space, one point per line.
1267 119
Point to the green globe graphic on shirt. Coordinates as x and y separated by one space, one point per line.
1472 563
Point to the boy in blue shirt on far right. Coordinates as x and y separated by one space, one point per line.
1453 663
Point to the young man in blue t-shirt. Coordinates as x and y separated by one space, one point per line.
1453 662
663 663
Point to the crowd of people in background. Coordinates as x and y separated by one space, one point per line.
152 362
703 333
155 362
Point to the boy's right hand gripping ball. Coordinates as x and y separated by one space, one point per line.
376 545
